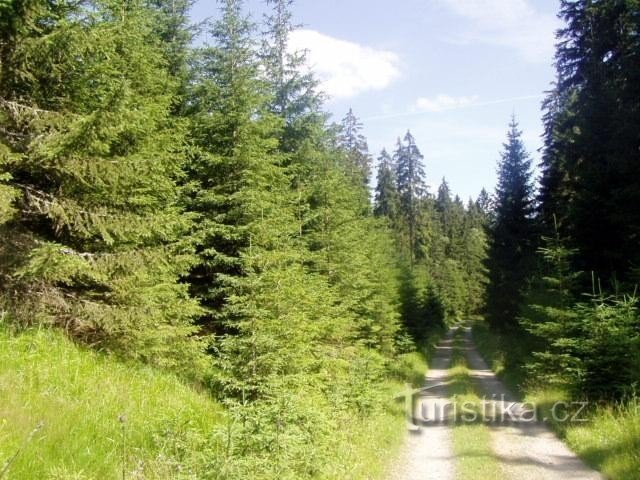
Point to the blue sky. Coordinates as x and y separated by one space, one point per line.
451 71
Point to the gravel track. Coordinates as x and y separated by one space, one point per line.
525 450
428 451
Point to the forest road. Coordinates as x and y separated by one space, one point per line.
524 449
428 451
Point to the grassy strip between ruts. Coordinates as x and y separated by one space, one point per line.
471 441
607 437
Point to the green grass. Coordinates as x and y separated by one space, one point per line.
171 429
377 443
471 441
363 448
608 439
77 396
409 368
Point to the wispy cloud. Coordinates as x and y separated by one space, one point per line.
443 102
345 68
514 24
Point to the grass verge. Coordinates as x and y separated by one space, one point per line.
67 412
70 413
365 447
471 441
606 437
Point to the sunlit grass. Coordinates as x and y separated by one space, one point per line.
96 415
170 430
364 448
471 441
608 439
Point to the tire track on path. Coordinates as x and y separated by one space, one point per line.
525 450
428 451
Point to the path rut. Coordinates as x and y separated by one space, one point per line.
428 452
525 450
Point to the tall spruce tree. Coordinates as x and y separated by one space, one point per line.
239 188
85 101
451 215
412 189
443 198
386 193
473 256
484 205
354 144
512 233
293 90
592 120
172 25
235 151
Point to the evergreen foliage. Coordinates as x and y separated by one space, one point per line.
233 160
386 193
192 208
592 348
98 245
445 277
587 205
354 144
512 233
590 160
412 189
293 91
484 203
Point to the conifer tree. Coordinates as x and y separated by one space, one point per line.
294 299
473 257
484 205
412 188
386 194
342 239
354 144
452 214
443 198
85 100
292 90
232 135
512 232
592 118
172 25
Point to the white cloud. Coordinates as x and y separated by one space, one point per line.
443 102
507 23
346 69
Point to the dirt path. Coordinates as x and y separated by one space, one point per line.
428 452
525 450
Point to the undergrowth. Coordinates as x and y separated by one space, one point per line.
67 412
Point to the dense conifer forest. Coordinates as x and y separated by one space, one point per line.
186 234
